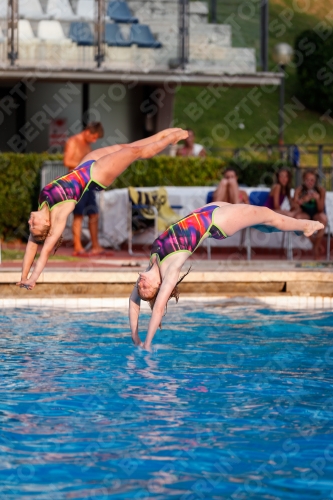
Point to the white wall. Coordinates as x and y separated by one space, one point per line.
114 105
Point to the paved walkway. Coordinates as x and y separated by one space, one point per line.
228 258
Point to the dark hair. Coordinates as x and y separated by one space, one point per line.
231 169
288 186
311 172
39 240
95 128
174 294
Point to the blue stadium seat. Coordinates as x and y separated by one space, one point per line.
81 33
119 12
143 37
114 37
258 198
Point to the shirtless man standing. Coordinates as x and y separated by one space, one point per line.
76 148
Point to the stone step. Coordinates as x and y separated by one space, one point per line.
166 10
235 61
218 35
229 60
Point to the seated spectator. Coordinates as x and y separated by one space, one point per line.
190 148
310 198
228 189
279 192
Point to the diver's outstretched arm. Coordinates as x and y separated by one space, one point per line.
134 312
168 284
48 246
29 256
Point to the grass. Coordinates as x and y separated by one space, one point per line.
303 128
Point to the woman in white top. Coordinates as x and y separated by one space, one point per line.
190 148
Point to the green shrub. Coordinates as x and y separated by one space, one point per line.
167 171
314 56
20 180
19 188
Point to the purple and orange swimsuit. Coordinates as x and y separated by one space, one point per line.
70 187
187 234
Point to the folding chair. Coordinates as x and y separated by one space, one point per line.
245 235
136 217
328 244
259 198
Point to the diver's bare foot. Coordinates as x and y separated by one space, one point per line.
97 251
169 131
78 250
311 226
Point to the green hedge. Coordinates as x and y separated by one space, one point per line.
167 171
19 188
20 180
313 56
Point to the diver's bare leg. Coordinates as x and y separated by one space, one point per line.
233 218
109 167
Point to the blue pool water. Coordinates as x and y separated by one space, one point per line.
235 403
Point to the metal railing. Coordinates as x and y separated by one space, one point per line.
318 157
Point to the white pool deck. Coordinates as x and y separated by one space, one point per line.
280 284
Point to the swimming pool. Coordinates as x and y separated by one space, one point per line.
235 403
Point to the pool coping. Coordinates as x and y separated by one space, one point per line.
204 276
101 303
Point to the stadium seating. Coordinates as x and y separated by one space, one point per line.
51 31
25 32
55 48
2 45
60 10
114 37
28 42
119 12
3 9
142 36
81 34
31 9
85 9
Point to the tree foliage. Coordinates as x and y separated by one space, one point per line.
314 62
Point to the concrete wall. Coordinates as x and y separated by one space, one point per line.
118 108
48 101
115 105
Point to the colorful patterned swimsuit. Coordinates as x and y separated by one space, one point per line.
70 187
187 234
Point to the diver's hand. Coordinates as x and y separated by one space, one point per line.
146 347
26 283
136 340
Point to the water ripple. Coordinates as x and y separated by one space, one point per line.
232 403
